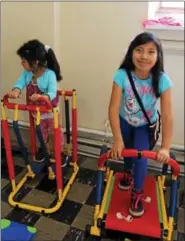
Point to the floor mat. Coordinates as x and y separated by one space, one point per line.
16 231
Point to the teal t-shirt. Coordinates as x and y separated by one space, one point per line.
129 108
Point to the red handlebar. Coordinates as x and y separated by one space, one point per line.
135 153
28 107
47 102
65 92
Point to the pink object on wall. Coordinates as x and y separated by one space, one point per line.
167 21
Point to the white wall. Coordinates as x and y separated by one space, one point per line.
174 65
20 22
94 36
90 39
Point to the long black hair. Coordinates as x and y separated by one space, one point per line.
34 50
158 68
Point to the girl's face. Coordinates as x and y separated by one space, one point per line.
25 64
144 57
27 67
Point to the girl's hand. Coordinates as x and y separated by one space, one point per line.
163 155
116 149
35 97
14 94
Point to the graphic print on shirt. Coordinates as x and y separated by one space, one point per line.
132 110
133 113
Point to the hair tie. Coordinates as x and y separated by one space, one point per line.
47 47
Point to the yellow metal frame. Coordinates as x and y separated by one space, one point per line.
99 209
168 223
30 174
61 193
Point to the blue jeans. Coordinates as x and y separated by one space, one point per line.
136 138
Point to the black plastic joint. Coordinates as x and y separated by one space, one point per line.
140 154
165 233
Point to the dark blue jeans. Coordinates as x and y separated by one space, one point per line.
136 138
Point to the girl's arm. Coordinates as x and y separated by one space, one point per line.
52 87
114 108
21 82
167 119
51 92
18 87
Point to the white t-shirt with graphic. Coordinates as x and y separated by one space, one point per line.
130 109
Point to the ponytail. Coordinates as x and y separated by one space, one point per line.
53 64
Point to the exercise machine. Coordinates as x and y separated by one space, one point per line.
54 170
112 204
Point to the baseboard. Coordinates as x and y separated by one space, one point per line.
89 144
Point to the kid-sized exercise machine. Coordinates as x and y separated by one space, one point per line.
112 204
54 169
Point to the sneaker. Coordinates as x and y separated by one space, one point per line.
126 182
39 157
136 208
64 159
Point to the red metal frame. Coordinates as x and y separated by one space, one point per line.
28 107
32 134
66 92
135 153
57 130
8 150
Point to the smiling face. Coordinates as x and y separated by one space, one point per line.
145 57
